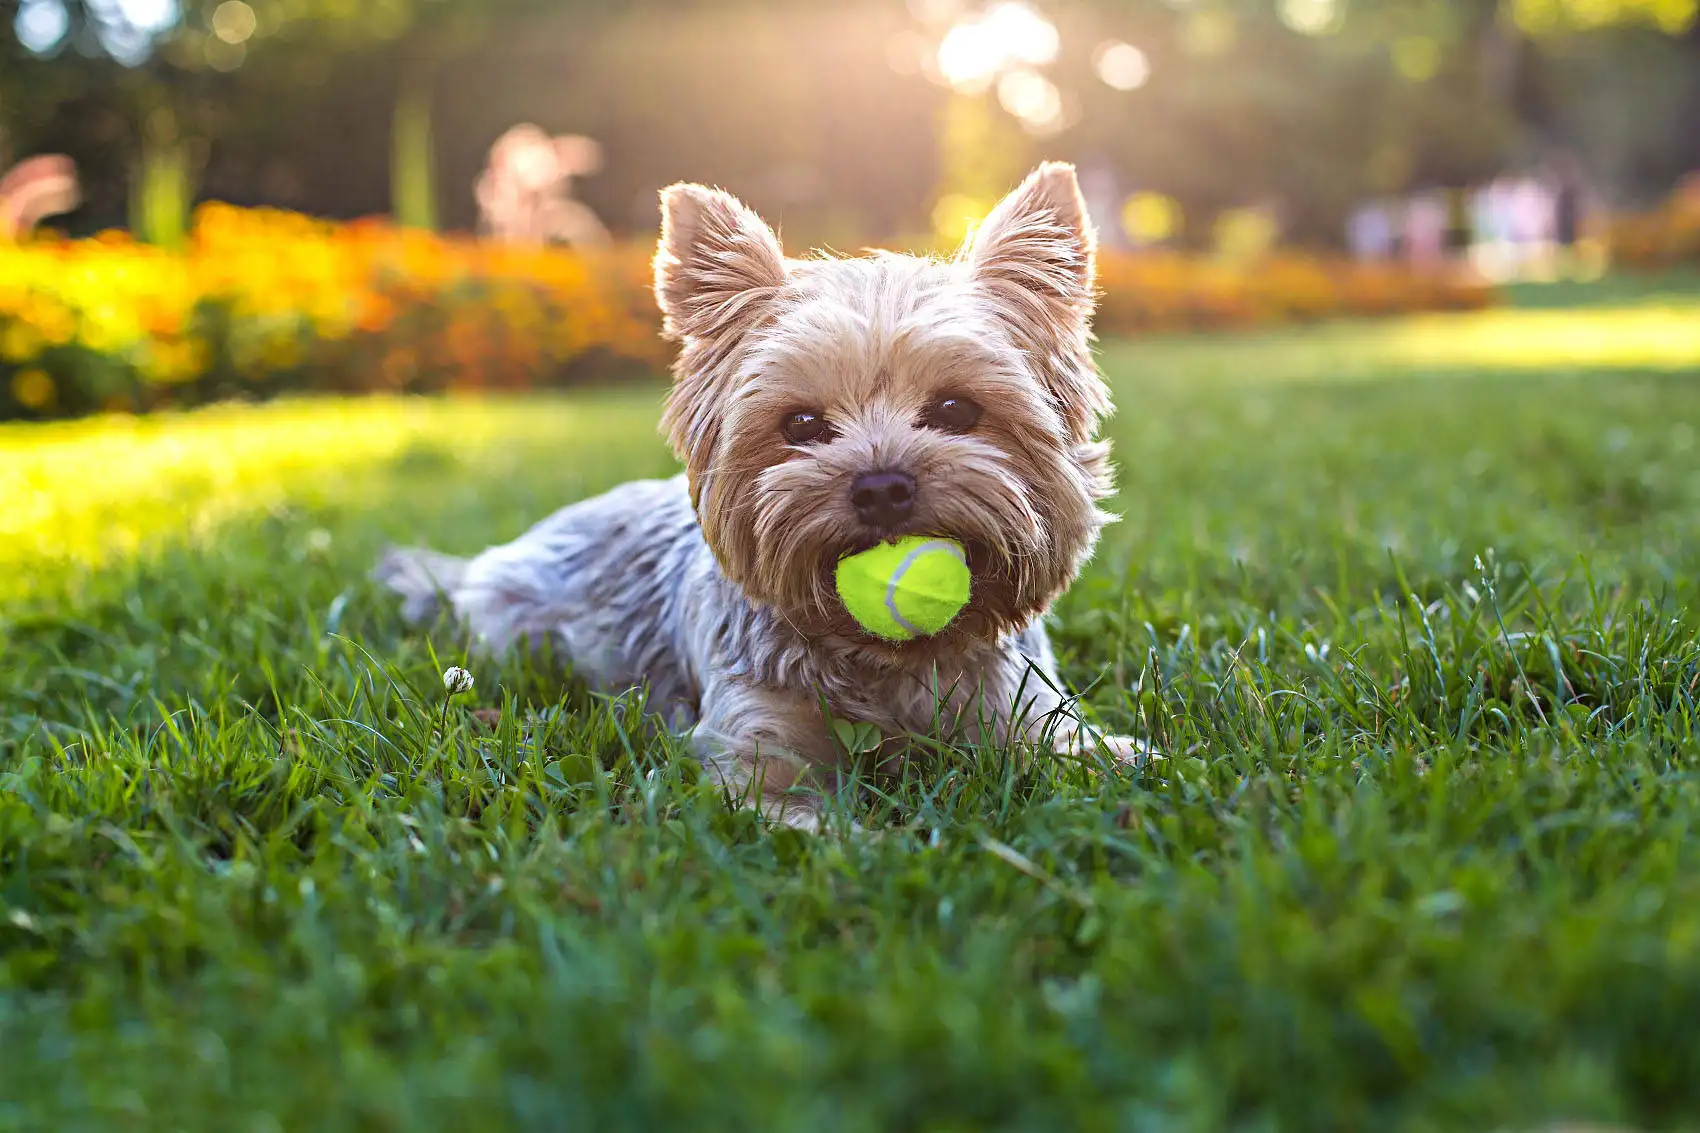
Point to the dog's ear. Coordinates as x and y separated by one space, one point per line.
717 264
717 269
1035 256
1036 252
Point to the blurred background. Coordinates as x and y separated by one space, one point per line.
211 197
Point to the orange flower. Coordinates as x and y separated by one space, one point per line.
264 292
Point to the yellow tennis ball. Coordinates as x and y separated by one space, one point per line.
909 588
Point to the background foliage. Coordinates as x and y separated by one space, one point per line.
1240 107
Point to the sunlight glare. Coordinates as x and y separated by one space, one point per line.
1007 35
969 56
1022 34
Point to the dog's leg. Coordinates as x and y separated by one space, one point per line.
426 580
1039 711
765 746
1088 743
503 596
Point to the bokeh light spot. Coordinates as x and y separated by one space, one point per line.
32 389
1022 33
1032 98
1150 218
234 22
148 15
41 25
1244 234
1310 17
968 57
1416 57
1007 35
1121 65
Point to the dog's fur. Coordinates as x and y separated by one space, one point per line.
715 588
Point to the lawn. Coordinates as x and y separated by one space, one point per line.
1410 606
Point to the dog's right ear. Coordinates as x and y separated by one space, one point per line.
717 264
717 270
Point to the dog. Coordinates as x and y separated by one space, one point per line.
820 406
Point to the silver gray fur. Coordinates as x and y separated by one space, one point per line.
626 586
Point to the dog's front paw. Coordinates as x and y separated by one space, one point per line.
811 818
1127 751
1107 751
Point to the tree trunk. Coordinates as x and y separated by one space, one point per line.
162 192
982 155
412 159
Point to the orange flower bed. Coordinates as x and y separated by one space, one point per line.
264 301
1662 238
1171 292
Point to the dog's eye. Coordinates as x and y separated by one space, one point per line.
805 428
953 415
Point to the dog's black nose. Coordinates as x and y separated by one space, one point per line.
883 499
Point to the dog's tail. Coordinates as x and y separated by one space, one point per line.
424 579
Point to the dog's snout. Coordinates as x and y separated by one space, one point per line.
883 499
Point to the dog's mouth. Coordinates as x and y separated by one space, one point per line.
867 541
985 569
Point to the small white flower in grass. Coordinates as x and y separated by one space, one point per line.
457 680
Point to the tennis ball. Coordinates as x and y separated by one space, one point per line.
905 589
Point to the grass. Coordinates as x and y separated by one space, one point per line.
1421 857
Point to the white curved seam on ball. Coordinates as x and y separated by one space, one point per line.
896 577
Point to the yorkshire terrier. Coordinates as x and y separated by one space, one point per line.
821 406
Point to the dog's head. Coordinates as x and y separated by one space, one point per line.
823 405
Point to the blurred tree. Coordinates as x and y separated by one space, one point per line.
822 113
170 70
982 152
1322 103
1249 111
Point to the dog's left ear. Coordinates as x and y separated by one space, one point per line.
1036 257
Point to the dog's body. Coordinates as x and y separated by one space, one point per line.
821 406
